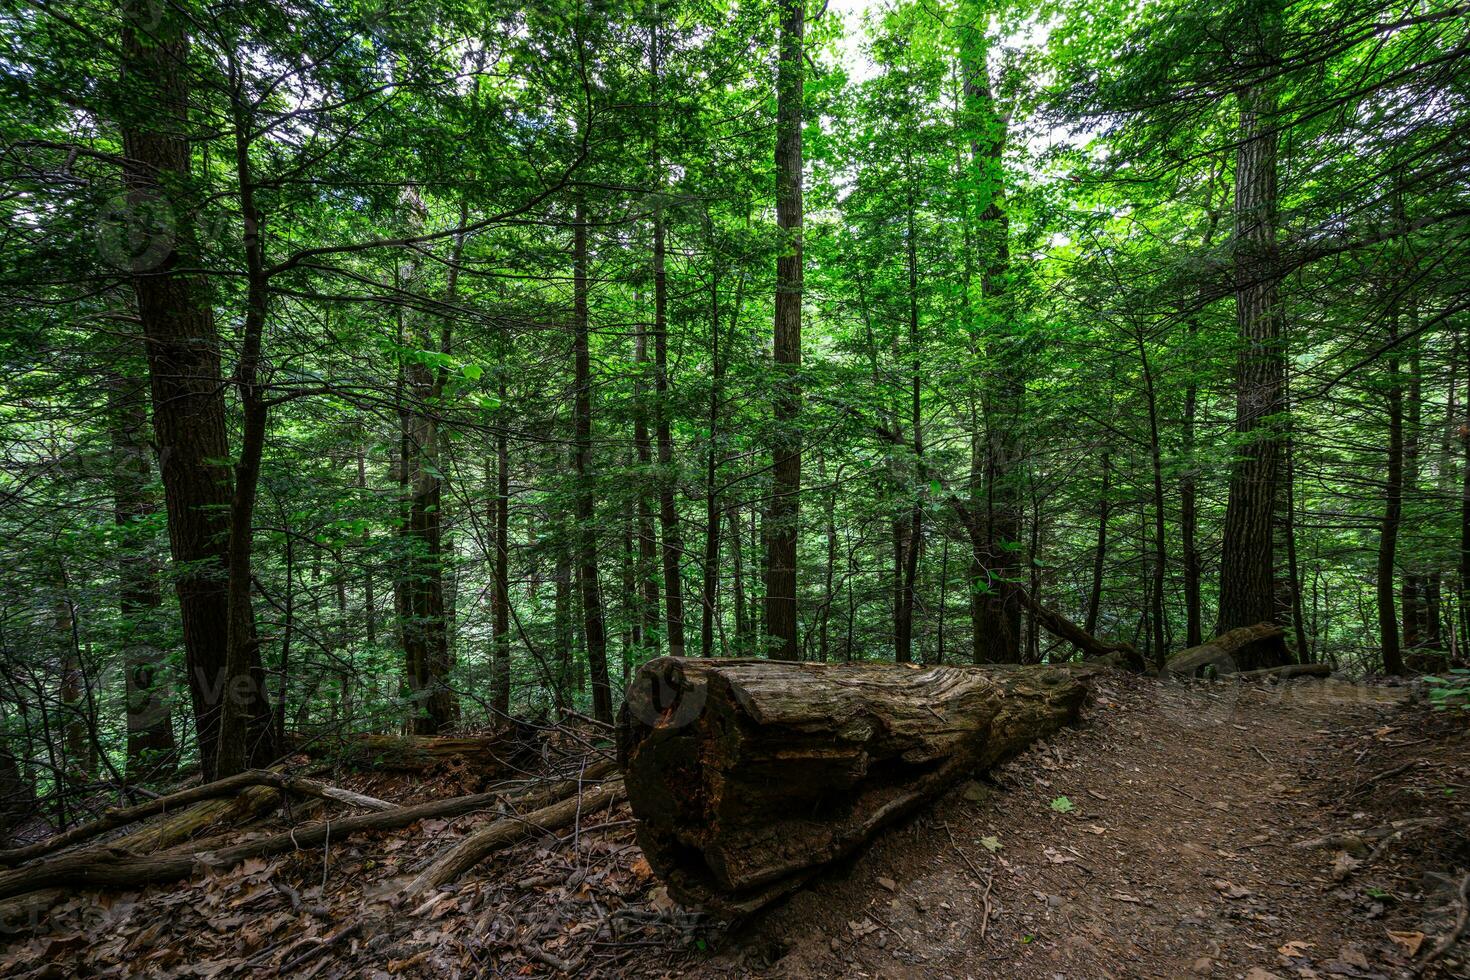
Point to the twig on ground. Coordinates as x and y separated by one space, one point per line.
290 966
1385 774
1461 921
1183 793
541 956
988 879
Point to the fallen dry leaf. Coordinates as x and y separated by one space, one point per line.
1295 947
1343 865
1231 890
660 900
1411 941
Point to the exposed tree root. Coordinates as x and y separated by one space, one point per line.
111 866
463 856
184 824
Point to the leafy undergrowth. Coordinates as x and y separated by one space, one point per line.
1221 831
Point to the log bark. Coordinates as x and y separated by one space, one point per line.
748 776
1286 672
1245 648
413 752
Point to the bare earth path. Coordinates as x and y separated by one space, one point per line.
1156 839
1174 858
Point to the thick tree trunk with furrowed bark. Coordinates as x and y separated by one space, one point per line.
748 776
187 384
785 505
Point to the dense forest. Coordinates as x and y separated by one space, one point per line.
408 367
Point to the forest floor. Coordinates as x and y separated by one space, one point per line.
1160 838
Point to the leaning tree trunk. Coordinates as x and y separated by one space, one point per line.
748 776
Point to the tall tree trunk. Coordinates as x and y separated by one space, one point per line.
500 660
829 571
420 587
784 515
737 561
668 515
1188 507
1393 490
631 640
1247 572
1463 583
187 385
235 752
1420 627
1188 512
912 541
77 748
1100 551
998 623
712 509
647 537
592 623
369 591
561 576
1293 583
1159 647
152 753
17 792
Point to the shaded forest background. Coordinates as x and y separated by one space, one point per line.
419 365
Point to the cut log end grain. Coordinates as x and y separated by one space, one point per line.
747 776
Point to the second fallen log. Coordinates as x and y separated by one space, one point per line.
747 776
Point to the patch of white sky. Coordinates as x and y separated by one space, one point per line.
1030 35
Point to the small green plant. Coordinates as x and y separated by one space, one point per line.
1063 805
1452 691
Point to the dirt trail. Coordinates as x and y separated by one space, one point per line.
1170 857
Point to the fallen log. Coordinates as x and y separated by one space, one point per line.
1247 648
111 866
748 776
186 822
415 752
172 829
1285 672
498 834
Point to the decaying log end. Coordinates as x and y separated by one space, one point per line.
747 776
